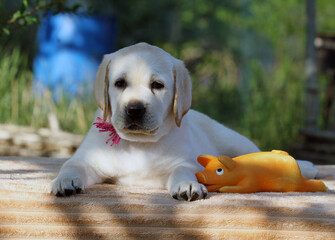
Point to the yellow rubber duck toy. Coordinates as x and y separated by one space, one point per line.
274 171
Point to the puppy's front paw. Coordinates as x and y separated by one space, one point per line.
188 191
66 185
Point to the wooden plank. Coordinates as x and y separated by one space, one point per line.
315 157
313 134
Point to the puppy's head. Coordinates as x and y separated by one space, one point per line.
143 91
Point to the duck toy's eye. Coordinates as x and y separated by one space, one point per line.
219 171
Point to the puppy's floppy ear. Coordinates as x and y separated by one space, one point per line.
101 87
182 91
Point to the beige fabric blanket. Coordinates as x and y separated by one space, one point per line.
28 211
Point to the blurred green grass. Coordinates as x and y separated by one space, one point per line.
18 105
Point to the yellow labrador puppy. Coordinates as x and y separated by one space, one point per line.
146 94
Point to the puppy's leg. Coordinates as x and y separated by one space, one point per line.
73 178
183 185
80 171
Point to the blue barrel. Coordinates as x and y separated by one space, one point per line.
70 48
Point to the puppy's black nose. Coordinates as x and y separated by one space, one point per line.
135 110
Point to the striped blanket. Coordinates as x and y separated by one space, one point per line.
105 211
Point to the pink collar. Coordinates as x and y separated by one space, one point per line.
108 127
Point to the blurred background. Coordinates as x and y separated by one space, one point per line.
263 68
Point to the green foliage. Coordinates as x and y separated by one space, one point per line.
275 109
29 13
325 17
14 87
275 102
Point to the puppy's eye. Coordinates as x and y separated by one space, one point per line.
219 171
120 83
157 85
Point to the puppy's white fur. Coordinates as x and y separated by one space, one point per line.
163 154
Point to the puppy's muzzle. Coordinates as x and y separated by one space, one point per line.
135 111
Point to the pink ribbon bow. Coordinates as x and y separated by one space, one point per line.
108 127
